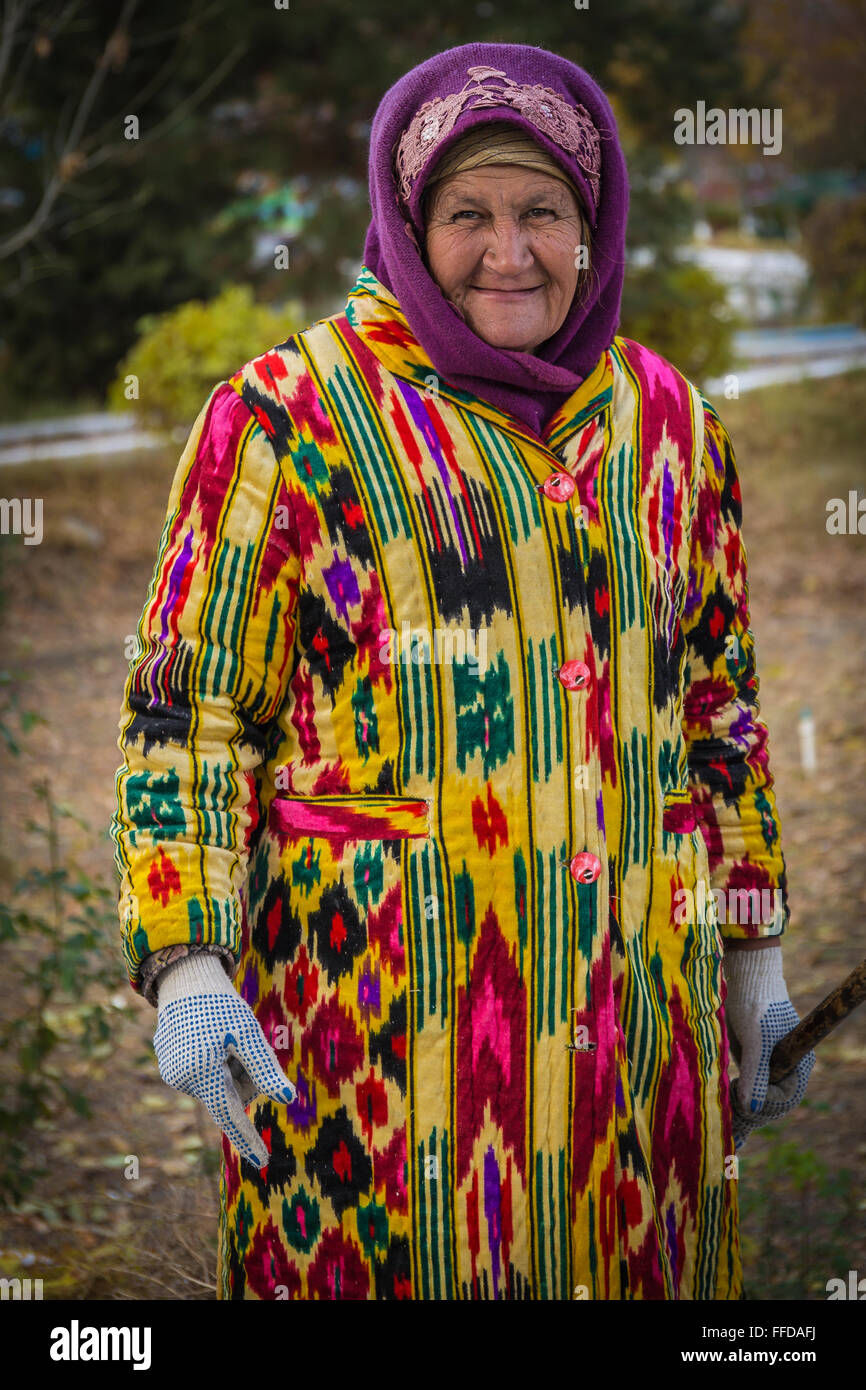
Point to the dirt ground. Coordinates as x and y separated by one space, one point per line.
71 604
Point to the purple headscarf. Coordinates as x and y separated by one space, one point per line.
530 386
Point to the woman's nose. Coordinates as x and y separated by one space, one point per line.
508 249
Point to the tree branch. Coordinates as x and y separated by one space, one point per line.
72 143
49 30
17 239
13 12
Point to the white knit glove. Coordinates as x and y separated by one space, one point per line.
758 1013
209 1043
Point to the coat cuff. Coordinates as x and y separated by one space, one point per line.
153 965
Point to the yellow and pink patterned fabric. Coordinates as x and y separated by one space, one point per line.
431 721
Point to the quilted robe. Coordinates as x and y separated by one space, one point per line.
431 719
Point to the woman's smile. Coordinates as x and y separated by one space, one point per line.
484 289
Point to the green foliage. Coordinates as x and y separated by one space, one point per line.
834 239
679 310
785 1258
182 354
14 721
722 217
661 208
58 943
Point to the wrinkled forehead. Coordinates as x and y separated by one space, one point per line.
499 185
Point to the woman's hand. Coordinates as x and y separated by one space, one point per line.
209 1043
758 1013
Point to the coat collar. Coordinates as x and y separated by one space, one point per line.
376 317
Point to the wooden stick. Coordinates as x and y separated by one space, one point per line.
815 1026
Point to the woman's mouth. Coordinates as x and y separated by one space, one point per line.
506 294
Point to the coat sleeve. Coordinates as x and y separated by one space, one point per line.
208 678
726 740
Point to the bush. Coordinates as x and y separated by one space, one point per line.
834 238
722 217
679 310
181 355
58 930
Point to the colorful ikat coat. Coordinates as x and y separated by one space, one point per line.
432 722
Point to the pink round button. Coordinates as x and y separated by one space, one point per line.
558 487
574 675
585 868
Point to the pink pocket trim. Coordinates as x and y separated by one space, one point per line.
350 817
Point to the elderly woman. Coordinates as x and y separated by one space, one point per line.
443 743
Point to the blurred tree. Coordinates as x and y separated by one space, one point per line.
102 222
675 308
661 206
834 238
806 56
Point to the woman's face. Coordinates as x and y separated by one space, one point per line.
501 244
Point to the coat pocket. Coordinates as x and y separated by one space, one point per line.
343 818
679 816
693 900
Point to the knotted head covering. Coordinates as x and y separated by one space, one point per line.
567 116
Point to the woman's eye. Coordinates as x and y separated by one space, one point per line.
471 214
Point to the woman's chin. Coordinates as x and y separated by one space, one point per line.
505 337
